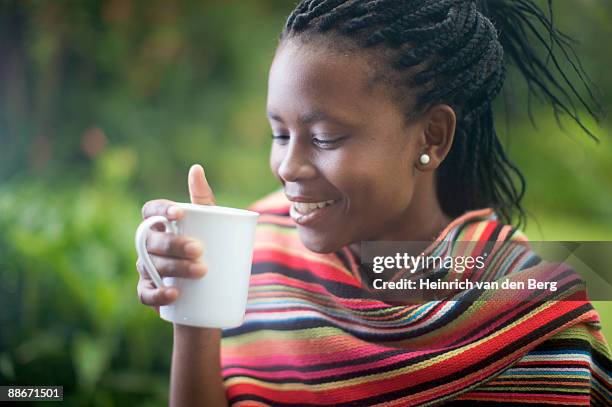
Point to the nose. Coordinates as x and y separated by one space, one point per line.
295 164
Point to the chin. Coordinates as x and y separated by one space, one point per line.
318 243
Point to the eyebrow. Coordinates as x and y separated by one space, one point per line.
309 118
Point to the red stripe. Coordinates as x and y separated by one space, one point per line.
534 397
288 260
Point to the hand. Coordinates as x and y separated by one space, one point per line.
172 255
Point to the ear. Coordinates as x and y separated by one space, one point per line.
439 131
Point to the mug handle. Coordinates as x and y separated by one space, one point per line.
141 245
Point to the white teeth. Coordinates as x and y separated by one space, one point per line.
307 207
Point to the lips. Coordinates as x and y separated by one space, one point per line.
306 213
305 208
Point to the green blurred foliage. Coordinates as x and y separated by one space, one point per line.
106 104
70 314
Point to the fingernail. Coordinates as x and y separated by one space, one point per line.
197 269
174 212
193 248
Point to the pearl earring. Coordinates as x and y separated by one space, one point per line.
424 159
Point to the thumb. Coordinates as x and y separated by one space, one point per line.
199 190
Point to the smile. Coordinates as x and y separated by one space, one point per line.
306 207
307 212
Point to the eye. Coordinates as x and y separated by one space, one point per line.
280 139
326 142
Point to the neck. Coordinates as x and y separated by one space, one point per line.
423 220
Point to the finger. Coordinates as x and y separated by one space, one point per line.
155 297
163 207
170 267
144 274
160 227
141 270
199 190
166 244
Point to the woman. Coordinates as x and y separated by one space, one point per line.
383 131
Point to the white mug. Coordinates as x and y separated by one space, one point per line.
217 300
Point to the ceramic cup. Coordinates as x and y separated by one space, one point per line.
217 300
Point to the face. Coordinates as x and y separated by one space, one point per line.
340 144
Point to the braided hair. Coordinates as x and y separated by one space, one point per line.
449 51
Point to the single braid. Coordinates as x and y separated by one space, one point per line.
321 7
435 7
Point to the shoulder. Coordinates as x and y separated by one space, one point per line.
481 225
480 234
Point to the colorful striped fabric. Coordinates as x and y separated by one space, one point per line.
314 334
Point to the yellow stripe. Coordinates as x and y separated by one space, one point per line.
535 388
267 334
324 298
581 331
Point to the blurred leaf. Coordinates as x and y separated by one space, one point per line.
6 367
45 343
91 357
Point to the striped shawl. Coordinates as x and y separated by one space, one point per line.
313 335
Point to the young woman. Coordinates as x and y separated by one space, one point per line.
383 131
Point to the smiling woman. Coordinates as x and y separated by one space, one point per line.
338 138
382 130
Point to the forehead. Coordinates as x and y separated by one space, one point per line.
309 76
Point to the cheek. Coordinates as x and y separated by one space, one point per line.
374 177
